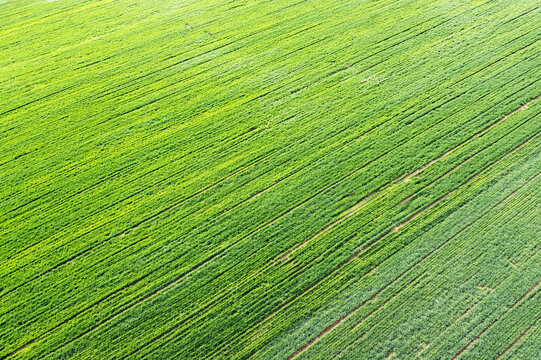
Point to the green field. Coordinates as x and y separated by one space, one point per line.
356 179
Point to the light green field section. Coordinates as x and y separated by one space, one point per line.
270 179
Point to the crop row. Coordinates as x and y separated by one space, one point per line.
229 191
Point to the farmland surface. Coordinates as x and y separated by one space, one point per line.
255 179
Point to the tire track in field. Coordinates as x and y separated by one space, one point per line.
38 99
357 206
437 274
488 66
192 195
18 156
482 69
520 36
479 133
202 148
15 352
354 139
393 297
491 290
136 225
390 231
521 15
352 210
283 305
463 161
213 256
304 347
476 135
516 340
343 318
81 219
474 101
407 177
531 290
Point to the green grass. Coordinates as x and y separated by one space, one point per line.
270 179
